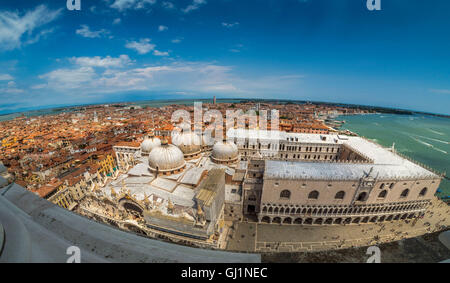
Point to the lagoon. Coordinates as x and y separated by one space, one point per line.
421 137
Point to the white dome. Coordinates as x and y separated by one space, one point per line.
189 142
166 157
225 151
207 140
149 143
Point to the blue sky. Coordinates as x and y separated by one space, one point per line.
320 50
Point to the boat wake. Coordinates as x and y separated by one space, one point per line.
436 132
429 145
436 140
438 149
422 142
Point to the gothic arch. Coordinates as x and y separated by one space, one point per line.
265 219
404 193
276 220
423 192
340 195
285 194
318 221
313 195
362 196
382 194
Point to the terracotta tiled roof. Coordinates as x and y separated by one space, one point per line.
130 144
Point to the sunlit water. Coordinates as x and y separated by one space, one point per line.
423 138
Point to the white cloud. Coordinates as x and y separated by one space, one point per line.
106 62
117 21
182 76
10 88
194 6
142 47
44 33
16 27
39 86
5 77
85 31
160 53
237 48
162 28
123 5
177 40
167 5
441 91
64 79
230 25
84 81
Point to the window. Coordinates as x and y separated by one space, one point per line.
382 194
340 195
313 195
382 186
423 192
362 196
285 194
405 193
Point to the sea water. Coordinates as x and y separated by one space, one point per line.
421 137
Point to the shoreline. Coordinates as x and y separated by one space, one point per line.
377 109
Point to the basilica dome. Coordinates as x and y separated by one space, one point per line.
225 152
207 141
149 143
189 142
166 159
